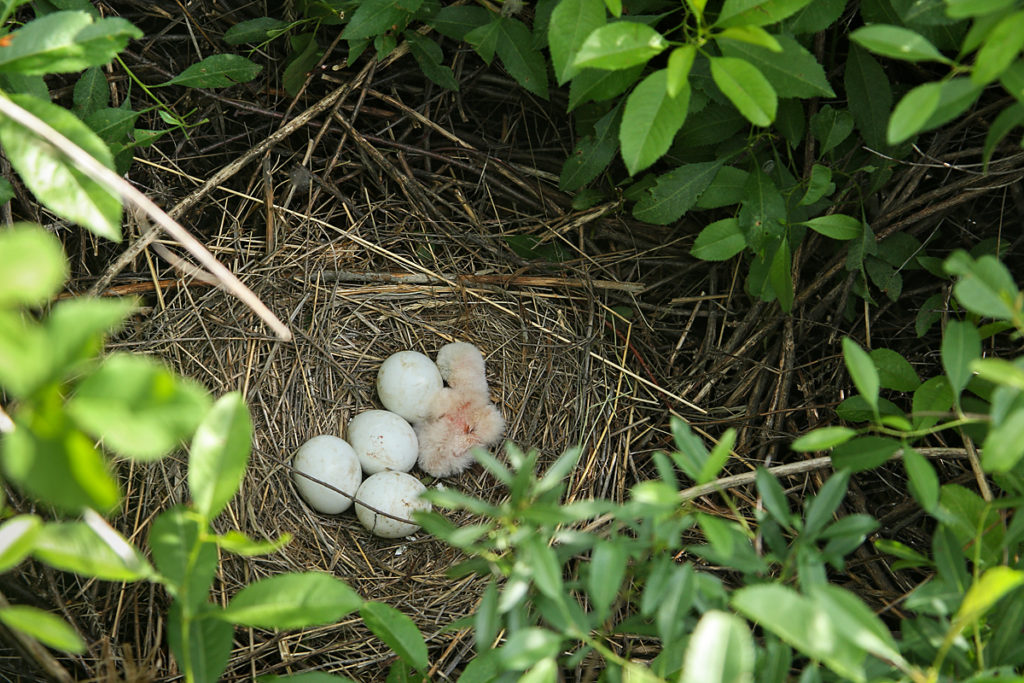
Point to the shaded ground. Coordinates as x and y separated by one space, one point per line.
391 220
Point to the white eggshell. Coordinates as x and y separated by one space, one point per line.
330 460
382 441
395 493
406 383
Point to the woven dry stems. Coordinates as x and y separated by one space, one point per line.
391 213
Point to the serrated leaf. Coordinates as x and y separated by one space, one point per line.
56 182
757 12
428 56
571 22
216 71
746 87
719 241
620 45
791 70
897 42
374 17
455 21
91 92
762 212
650 121
869 95
520 59
64 42
675 192
831 127
593 153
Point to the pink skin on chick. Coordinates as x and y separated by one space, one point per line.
462 416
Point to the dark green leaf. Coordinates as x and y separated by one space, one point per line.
1007 120
932 400
32 263
792 72
597 85
726 189
818 510
862 371
593 153
398 631
455 21
719 241
55 181
620 45
521 60
484 38
428 56
763 211
254 30
894 372
864 453
1001 47
63 42
961 344
831 127
571 22
305 55
209 643
869 95
292 601
820 185
781 277
220 451
606 570
816 16
757 12
650 121
746 87
91 92
676 192
374 17
922 480
216 71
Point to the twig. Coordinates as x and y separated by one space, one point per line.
117 185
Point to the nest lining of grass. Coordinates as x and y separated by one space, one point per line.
393 218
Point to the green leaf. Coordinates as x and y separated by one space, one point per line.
209 643
935 397
521 60
545 569
620 45
837 226
650 121
962 9
571 22
719 241
869 95
913 112
1007 120
484 39
894 372
183 558
33 266
986 287
819 509
922 480
597 85
56 182
862 372
428 56
112 124
680 61
754 35
956 95
91 92
398 631
17 536
823 439
606 570
292 601
720 649
746 87
757 12
791 70
139 408
961 345
831 127
984 593
216 71
254 30
1004 445
817 16
63 42
305 55
456 21
238 543
864 453
897 42
728 188
1001 47
675 192
25 363
46 627
593 153
527 646
76 329
780 276
220 451
75 547
375 17
762 213
820 185
857 622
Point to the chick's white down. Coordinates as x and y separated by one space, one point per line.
461 416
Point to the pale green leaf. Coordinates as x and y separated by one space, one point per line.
719 241
897 42
398 631
757 12
220 451
912 113
746 87
46 627
32 264
292 601
620 45
823 439
650 121
63 42
720 649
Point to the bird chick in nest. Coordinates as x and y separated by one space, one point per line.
461 416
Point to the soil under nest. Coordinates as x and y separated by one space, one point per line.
405 217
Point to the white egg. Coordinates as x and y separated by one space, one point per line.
333 461
395 493
406 384
382 441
